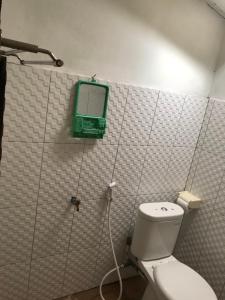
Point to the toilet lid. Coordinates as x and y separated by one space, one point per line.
177 281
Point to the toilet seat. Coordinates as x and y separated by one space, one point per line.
177 281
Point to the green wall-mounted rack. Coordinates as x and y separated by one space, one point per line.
90 109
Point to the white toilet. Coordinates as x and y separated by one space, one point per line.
155 234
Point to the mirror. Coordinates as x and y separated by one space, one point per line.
91 100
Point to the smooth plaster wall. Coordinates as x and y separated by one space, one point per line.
164 44
218 88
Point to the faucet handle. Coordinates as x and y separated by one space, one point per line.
75 202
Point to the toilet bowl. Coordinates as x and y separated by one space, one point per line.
169 279
154 238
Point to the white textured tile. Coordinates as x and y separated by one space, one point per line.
193 168
26 103
97 169
220 201
222 296
60 109
16 234
105 262
205 122
179 167
52 229
80 271
122 209
14 281
60 173
208 175
116 106
166 119
215 135
190 122
87 224
209 271
138 117
46 277
128 168
192 236
20 172
215 242
156 163
157 197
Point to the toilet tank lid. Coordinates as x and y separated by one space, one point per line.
160 211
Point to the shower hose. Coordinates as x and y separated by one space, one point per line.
117 267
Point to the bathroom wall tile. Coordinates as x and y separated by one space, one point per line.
220 201
208 175
122 209
193 168
191 121
192 234
187 251
16 234
52 229
14 281
222 296
157 197
60 173
205 122
60 108
138 117
209 271
153 178
80 272
166 120
105 262
115 112
121 215
87 224
97 169
53 290
215 135
20 173
128 168
26 103
179 167
215 242
46 277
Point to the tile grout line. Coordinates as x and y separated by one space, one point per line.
196 146
173 146
144 160
102 221
118 145
73 220
71 226
147 145
198 142
39 185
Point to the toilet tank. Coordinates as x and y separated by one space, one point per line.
156 230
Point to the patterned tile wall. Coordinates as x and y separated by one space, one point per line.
47 248
202 239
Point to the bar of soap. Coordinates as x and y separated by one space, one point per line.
192 200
